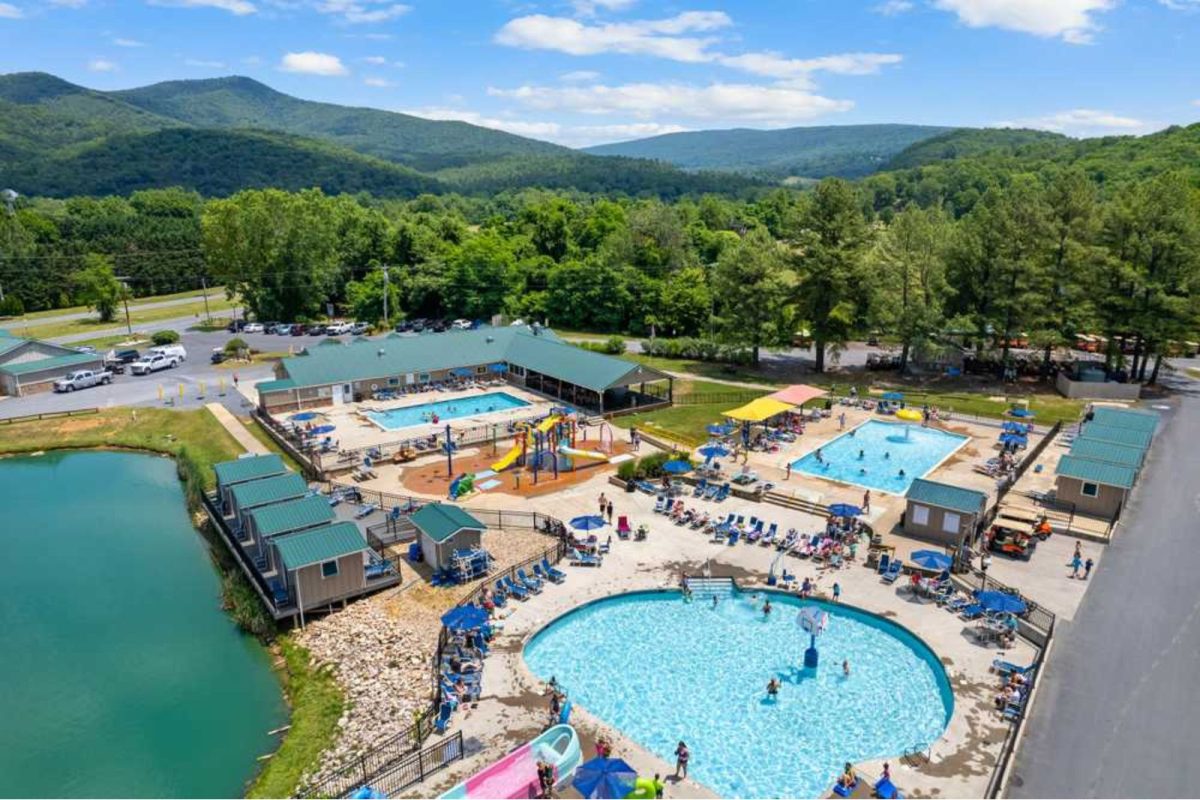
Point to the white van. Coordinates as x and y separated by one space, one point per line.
176 351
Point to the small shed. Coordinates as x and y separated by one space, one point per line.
1129 437
1099 450
247 496
1097 488
250 468
265 522
1144 421
442 529
322 565
942 513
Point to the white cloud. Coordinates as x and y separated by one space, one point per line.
891 8
1082 122
377 83
101 65
579 76
69 3
1071 20
358 12
374 59
9 11
724 101
1182 5
774 65
310 63
570 135
203 64
659 37
588 8
238 7
119 42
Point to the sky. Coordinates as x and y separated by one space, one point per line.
582 72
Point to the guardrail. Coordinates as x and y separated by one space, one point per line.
79 412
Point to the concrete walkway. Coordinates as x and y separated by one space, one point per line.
237 429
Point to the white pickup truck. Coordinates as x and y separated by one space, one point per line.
153 362
82 379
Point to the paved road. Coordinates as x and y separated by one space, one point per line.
1118 713
178 324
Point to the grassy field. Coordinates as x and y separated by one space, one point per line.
213 293
50 330
685 423
257 432
317 704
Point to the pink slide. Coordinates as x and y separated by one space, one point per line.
515 775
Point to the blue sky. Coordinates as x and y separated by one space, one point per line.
587 71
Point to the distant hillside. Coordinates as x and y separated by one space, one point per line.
968 142
813 152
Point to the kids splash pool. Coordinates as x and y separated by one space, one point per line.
445 410
881 455
663 670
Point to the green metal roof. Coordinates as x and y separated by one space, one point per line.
1145 421
440 521
1109 433
9 343
269 490
943 495
294 515
1099 450
276 386
245 469
54 362
326 543
1085 469
543 352
331 343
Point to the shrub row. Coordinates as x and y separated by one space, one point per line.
698 349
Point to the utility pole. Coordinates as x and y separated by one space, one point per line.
386 284
125 297
204 286
10 198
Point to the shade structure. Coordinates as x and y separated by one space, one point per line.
798 394
1013 438
894 397
462 372
845 510
1023 413
498 368
465 618
324 429
713 451
931 559
992 600
677 467
758 410
604 777
588 522
910 414
723 429
305 416
1013 427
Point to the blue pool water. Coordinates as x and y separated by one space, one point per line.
446 410
661 670
887 448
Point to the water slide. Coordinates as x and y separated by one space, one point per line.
595 455
512 455
515 775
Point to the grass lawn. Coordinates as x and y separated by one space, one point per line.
317 704
257 358
49 330
686 422
708 369
214 292
256 430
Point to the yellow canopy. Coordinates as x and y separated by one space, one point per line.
909 414
758 410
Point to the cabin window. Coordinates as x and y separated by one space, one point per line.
950 522
1090 490
920 515
329 569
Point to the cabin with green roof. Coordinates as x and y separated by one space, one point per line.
1144 421
942 513
245 497
266 522
247 468
530 357
1095 488
442 529
323 565
29 366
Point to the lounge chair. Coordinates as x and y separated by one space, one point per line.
884 788
756 532
734 533
365 510
662 504
500 593
623 529
712 491
517 591
845 791
701 487
956 604
445 711
554 575
1006 668
579 559
534 583
893 571
542 576
769 537
700 521
972 611
605 548
885 563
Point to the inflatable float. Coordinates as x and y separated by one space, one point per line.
515 775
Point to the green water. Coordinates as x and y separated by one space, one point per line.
120 675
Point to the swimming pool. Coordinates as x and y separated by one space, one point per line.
445 410
663 670
886 448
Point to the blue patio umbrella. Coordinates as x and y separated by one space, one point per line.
1024 413
713 451
305 416
931 559
588 522
604 777
676 467
464 618
366 793
845 510
1013 438
1013 427
992 600
462 372
323 429
894 397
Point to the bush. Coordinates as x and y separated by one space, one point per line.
651 466
236 344
698 350
11 306
164 337
628 470
614 345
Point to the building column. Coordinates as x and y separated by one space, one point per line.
671 390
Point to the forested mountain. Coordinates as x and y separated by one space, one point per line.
967 142
847 151
219 136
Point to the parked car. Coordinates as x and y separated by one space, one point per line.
284 328
86 348
338 328
404 327
254 327
236 325
439 326
360 329
316 329
516 323
126 356
461 325
82 379
175 351
152 362
218 355
269 327
299 329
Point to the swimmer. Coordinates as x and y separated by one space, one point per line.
767 608
901 473
773 688
886 456
714 601
820 458
846 668
862 471
861 455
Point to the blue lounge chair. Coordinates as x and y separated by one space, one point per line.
733 536
584 559
972 611
701 487
769 537
1007 668
365 510
722 493
445 712
519 592
554 573
500 592
607 546
534 584
845 791
711 492
893 571
646 486
538 571
885 789
278 592
885 562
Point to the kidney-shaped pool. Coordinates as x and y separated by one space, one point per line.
662 669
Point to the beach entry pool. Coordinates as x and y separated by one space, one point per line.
445 410
122 676
663 670
886 448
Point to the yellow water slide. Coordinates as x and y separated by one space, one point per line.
511 456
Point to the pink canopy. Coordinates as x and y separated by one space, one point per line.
798 394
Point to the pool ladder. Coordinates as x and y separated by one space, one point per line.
705 586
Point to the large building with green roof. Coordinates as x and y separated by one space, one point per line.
533 358
28 366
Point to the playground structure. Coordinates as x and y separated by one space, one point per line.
515 775
550 445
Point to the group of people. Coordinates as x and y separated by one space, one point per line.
1013 691
606 507
1078 563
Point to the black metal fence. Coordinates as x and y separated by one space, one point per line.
80 412
374 762
418 766
1038 616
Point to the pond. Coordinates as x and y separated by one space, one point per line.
122 675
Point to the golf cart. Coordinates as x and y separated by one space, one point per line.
1011 542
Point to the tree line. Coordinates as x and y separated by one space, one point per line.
1038 256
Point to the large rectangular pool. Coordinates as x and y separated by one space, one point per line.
881 455
445 410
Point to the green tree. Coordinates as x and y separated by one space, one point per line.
685 303
481 275
365 297
754 285
96 285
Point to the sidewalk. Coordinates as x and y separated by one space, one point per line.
237 429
